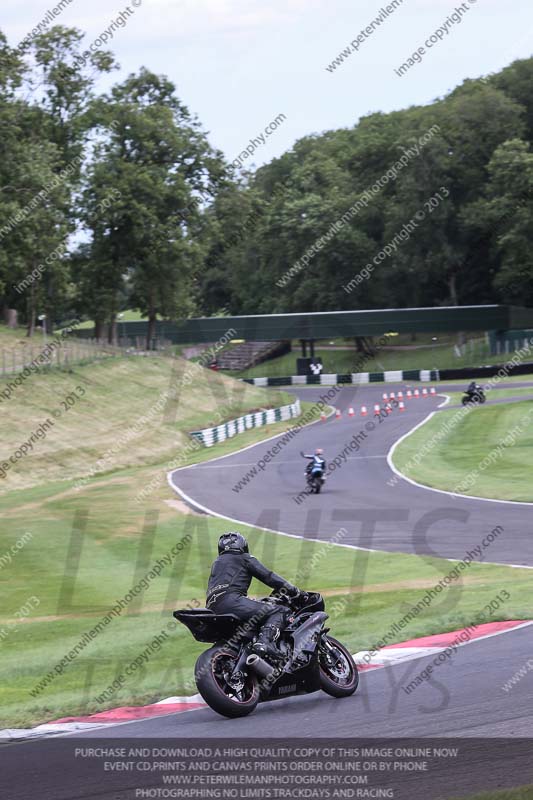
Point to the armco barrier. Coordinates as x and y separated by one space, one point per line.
332 379
396 376
211 436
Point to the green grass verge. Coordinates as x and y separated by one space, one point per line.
488 452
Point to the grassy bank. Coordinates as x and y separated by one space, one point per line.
488 452
115 414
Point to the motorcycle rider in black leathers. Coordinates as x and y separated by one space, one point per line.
229 581
317 460
473 388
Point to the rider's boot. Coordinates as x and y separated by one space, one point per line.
265 642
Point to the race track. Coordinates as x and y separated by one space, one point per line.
399 518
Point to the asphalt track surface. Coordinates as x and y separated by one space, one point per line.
400 518
463 698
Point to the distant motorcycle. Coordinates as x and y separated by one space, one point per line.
476 395
316 479
232 679
315 476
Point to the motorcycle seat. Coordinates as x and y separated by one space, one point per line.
203 612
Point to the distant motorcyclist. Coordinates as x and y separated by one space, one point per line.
317 461
474 393
229 581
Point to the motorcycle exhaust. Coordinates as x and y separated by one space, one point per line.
259 666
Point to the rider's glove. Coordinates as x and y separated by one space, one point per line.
289 591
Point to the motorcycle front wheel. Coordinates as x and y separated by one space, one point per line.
338 671
212 671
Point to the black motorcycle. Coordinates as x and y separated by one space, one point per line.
233 679
477 395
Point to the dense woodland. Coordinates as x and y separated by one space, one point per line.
118 200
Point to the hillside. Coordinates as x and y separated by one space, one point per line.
109 415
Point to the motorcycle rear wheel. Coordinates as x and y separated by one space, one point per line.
338 671
210 671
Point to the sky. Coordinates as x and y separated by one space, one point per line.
240 64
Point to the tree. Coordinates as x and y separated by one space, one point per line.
508 213
152 165
42 153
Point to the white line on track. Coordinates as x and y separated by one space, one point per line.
254 463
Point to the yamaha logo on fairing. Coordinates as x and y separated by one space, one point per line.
286 689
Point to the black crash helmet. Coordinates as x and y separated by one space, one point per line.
232 542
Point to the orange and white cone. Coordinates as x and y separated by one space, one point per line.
351 412
323 416
385 397
400 395
338 413
401 406
433 390
425 393
388 408
416 394
392 395
364 411
409 394
377 410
